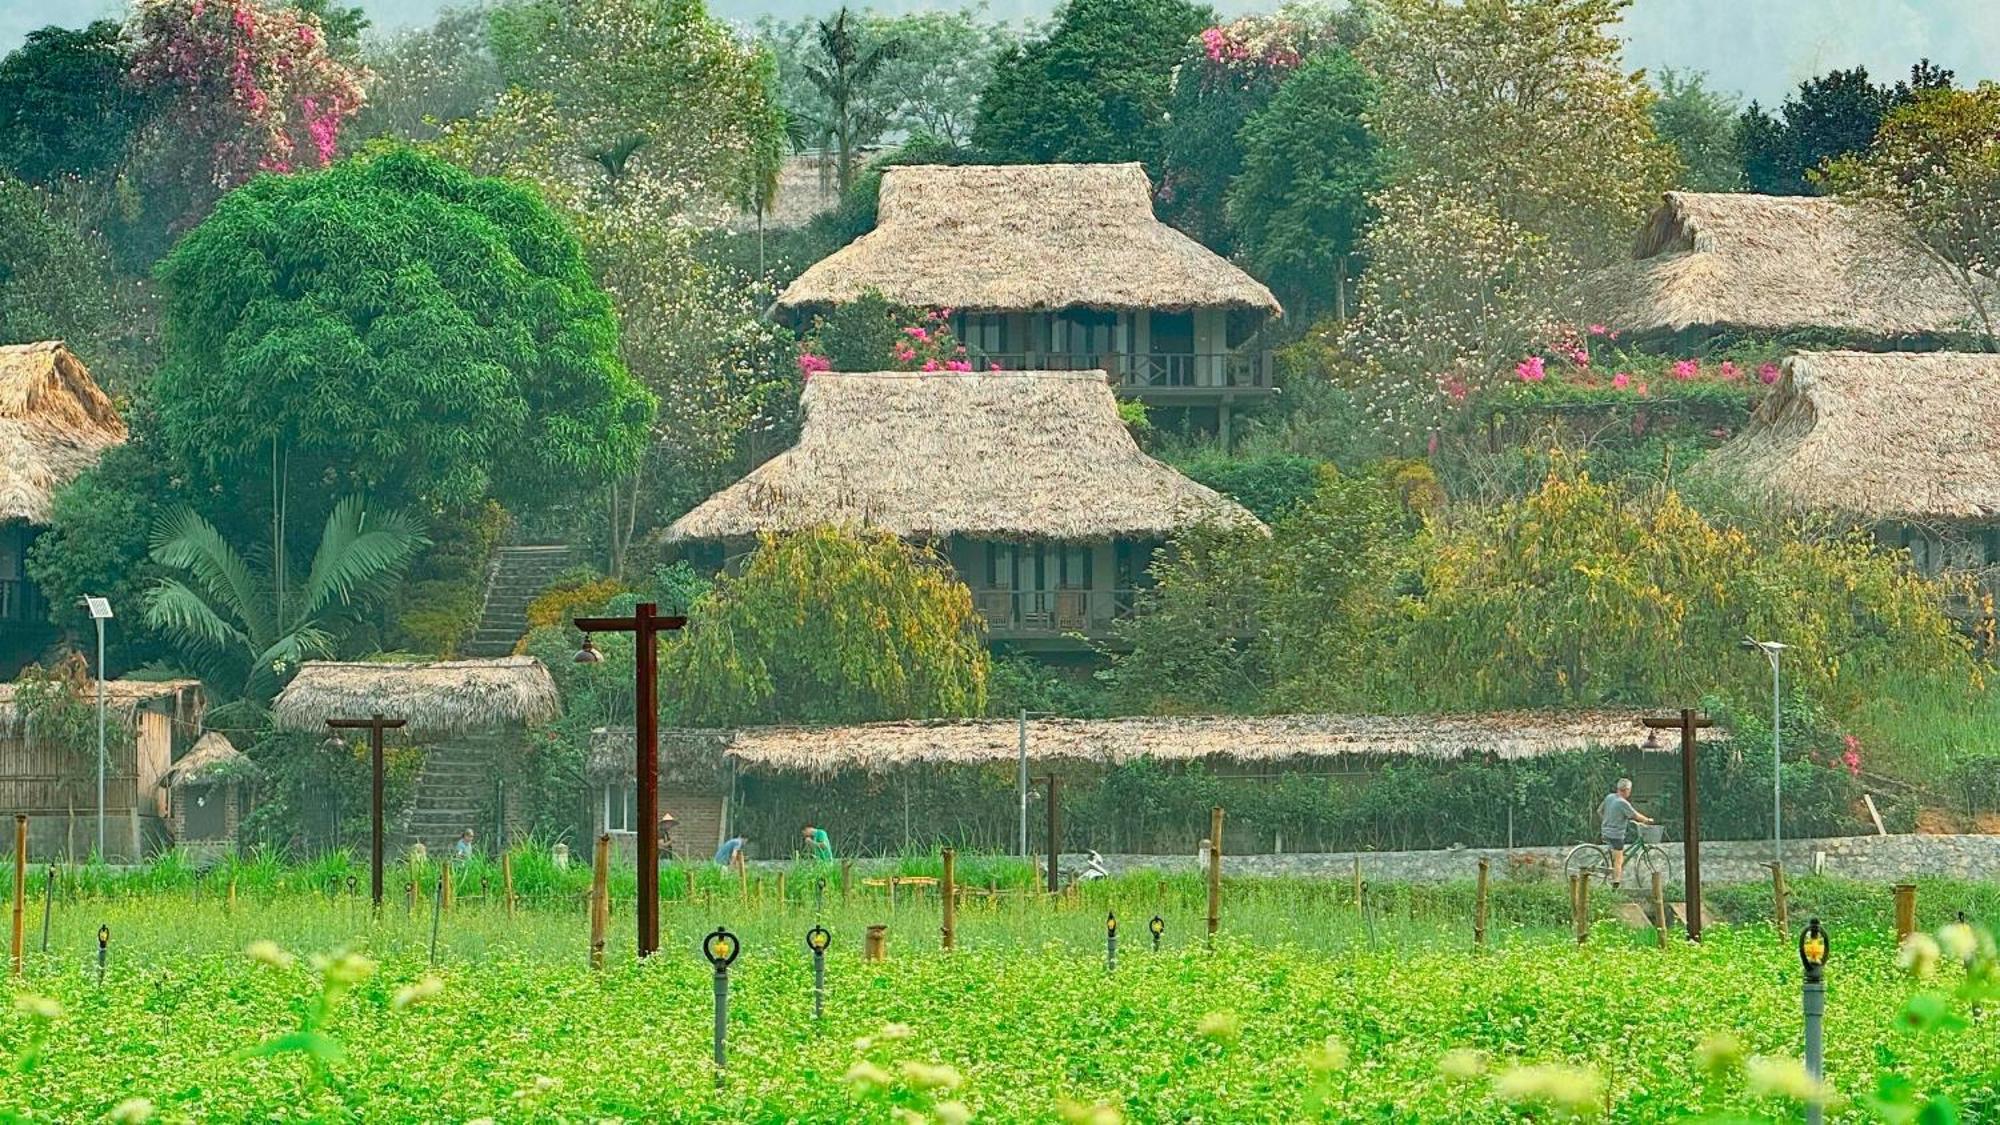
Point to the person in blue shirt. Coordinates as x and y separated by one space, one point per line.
726 854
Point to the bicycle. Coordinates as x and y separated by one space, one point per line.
1644 857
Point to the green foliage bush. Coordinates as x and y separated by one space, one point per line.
1271 486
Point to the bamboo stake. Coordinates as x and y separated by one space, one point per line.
444 873
1784 913
231 906
1660 906
689 872
20 890
781 888
600 893
846 879
1906 911
950 899
507 880
1583 908
1214 872
1357 884
1479 906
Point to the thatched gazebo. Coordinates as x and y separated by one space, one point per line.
54 424
1028 481
205 790
1908 443
1058 266
470 714
1710 263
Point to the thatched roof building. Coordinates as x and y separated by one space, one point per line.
182 699
1776 264
990 455
1906 437
54 424
442 699
213 757
1025 237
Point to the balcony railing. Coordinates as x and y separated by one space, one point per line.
13 599
1052 613
1165 372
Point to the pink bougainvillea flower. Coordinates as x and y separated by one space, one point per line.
1642 390
930 365
1730 372
993 367
957 365
1598 330
811 364
1687 369
1456 389
1531 369
918 332
1621 380
905 353
1767 374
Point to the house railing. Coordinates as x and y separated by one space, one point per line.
1149 371
1052 613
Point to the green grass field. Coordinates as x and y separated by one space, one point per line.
1021 1023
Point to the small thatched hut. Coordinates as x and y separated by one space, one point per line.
470 714
54 424
1711 263
1908 443
1028 480
204 793
1058 266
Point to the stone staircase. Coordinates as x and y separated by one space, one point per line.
516 575
454 792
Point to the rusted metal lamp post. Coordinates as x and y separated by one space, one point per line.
646 624
375 724
1687 722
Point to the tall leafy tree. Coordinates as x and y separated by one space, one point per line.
1094 89
429 77
1309 165
249 628
830 626
1833 115
1700 124
845 75
66 108
56 279
396 327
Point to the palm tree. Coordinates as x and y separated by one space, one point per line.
851 123
236 624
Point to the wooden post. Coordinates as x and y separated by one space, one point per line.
1660 907
846 879
950 899
1906 911
742 875
20 890
507 880
1479 906
781 888
1055 831
1784 915
875 947
1214 872
444 873
689 872
1687 722
600 905
1357 884
231 906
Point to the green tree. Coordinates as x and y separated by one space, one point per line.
66 108
1700 124
396 327
1309 166
247 631
1094 89
57 281
427 78
845 74
1833 115
829 626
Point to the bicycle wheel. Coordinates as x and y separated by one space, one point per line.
1640 868
1586 858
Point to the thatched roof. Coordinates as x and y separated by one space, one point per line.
1024 237
121 699
213 757
54 424
1775 264
440 699
1898 436
999 455
1274 740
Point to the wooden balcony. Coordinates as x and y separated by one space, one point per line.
1165 377
1051 615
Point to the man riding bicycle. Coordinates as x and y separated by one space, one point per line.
1618 816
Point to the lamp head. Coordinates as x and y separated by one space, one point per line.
817 939
1813 949
103 936
1110 923
721 948
588 654
1158 925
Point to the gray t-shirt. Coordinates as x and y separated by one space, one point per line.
1618 815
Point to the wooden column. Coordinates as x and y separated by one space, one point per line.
1214 871
1479 906
1906 911
20 891
600 904
950 899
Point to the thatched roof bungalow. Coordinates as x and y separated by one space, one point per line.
1771 265
438 700
1906 442
1057 266
1028 479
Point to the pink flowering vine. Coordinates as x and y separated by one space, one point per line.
1767 374
1621 380
1851 755
1730 372
1532 369
1686 369
811 364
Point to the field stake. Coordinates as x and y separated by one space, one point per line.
1906 911
1660 906
437 907
781 888
507 880
444 885
48 904
846 880
103 951
742 875
1479 906
1583 908
950 899
1778 897
600 909
689 874
1110 942
409 896
20 889
875 946
1357 884
1214 873
230 903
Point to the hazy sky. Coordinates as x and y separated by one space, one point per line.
1760 47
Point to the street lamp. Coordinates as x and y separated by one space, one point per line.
1772 651
100 612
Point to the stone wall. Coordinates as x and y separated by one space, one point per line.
1876 859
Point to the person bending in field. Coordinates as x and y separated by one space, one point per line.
1618 816
818 844
730 849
